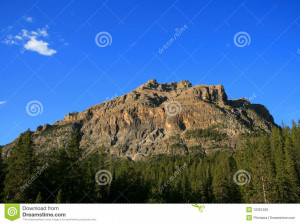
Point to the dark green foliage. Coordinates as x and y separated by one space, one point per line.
271 161
208 133
255 157
177 146
39 198
59 197
2 175
224 188
21 167
71 181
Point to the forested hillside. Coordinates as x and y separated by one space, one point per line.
264 169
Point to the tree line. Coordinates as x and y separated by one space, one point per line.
264 169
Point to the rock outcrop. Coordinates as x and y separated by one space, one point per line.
155 118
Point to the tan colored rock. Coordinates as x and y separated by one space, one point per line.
140 123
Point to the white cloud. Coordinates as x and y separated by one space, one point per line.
34 33
24 33
37 33
43 32
8 42
2 102
39 46
30 41
28 19
18 37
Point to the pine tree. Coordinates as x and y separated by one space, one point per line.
277 147
224 188
295 134
39 198
101 190
295 137
291 168
21 165
54 177
90 184
2 175
59 198
73 180
263 172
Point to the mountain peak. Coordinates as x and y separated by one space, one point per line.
146 120
154 85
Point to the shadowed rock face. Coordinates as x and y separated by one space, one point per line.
154 119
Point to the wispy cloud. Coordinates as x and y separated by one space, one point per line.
28 19
2 102
30 41
6 29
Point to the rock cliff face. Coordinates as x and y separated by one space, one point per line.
159 118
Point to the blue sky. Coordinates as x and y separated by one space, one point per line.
49 53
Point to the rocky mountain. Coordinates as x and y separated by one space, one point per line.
169 118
